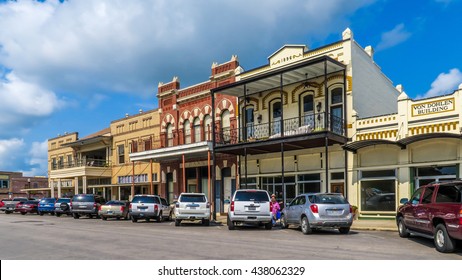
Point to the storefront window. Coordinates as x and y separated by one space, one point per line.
378 190
309 183
251 183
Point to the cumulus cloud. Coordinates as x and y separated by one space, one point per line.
11 152
38 159
393 37
445 83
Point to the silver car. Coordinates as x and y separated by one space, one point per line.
148 207
191 207
317 211
250 206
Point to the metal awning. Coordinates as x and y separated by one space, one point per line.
174 153
355 146
121 185
82 142
35 189
415 138
290 74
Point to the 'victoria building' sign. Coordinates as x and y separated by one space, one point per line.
433 107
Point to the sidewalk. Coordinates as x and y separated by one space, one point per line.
361 224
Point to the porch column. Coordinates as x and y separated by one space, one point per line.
59 189
212 199
76 185
132 190
184 173
326 124
84 184
152 185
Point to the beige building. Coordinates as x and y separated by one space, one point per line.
99 163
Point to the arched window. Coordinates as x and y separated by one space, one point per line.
187 132
307 110
197 130
336 110
276 113
169 136
208 128
226 126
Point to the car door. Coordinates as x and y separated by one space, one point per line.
290 209
422 212
409 213
299 208
165 207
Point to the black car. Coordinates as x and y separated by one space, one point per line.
86 205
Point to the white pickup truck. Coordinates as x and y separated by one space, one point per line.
10 205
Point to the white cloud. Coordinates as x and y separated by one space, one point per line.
393 37
445 83
38 159
11 152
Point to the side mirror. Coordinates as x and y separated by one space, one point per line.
403 200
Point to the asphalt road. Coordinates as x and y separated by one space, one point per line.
33 237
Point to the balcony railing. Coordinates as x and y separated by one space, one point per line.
80 163
306 124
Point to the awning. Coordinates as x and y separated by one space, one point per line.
355 146
415 138
174 153
122 185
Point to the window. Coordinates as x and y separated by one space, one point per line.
449 194
187 132
415 199
427 197
307 110
133 146
121 153
378 190
226 126
309 183
336 110
147 144
169 136
193 198
69 160
4 184
197 130
276 113
249 120
207 128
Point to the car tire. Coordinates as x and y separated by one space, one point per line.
58 215
284 223
443 242
64 207
76 216
52 213
23 213
402 229
134 220
231 225
206 222
344 230
177 222
269 226
40 213
160 218
117 218
305 225
103 218
7 212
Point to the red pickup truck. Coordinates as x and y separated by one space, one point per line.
434 211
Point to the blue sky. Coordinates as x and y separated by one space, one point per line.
74 66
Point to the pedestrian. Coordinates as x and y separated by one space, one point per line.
276 209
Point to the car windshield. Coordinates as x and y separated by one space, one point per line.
83 198
251 196
115 202
328 199
47 200
145 199
63 200
192 198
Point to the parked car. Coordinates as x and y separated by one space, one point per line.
29 206
63 206
434 211
46 205
318 211
144 206
2 204
250 206
192 207
10 205
86 205
114 209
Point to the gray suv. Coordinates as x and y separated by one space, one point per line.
148 207
86 205
250 206
318 210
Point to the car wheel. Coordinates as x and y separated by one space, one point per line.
103 218
118 218
7 212
160 218
147 219
206 222
269 226
52 213
402 229
344 230
284 223
443 242
40 213
76 216
134 220
305 225
23 213
177 222
231 225
58 215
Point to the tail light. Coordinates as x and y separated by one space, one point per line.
314 208
122 208
70 205
99 208
232 206
208 205
460 217
156 207
177 205
94 205
130 206
351 209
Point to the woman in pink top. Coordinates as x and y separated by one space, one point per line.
275 208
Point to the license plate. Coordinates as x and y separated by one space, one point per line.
334 212
252 208
82 206
110 212
192 208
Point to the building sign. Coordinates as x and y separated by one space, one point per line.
433 107
4 177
